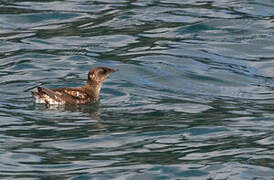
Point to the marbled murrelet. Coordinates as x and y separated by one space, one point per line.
88 93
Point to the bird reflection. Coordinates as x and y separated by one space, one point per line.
93 110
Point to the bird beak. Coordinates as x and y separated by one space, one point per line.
113 70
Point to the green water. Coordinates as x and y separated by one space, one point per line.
193 97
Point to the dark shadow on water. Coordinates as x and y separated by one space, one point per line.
71 108
91 110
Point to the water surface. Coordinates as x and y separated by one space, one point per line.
193 97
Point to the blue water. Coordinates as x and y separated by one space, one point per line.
193 97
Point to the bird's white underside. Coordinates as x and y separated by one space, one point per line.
47 100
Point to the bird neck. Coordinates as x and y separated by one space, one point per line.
93 89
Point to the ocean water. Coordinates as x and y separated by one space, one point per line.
193 97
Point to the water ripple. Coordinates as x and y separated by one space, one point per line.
192 98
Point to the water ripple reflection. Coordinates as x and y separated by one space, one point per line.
192 98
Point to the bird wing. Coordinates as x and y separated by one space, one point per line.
62 96
75 93
48 96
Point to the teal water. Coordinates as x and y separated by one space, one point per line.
193 97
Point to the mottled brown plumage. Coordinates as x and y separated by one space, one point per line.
88 93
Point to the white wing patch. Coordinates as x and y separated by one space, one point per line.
45 99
